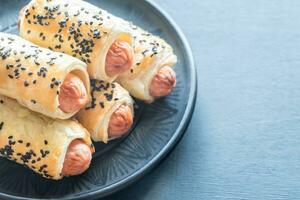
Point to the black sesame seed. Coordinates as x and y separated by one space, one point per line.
26 84
101 104
1 125
36 62
57 47
144 52
44 153
27 144
20 141
62 24
46 142
28 56
96 34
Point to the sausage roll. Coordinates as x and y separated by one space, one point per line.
151 76
81 30
54 84
41 143
110 113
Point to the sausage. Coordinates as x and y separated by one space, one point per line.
120 121
119 58
73 95
163 82
78 158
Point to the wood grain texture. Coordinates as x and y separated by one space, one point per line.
244 138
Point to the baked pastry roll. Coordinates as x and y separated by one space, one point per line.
110 113
42 80
39 142
151 76
81 30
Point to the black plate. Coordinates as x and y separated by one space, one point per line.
157 126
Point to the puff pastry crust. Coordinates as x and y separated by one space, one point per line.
74 27
36 141
33 75
106 99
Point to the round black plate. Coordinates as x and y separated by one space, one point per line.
157 126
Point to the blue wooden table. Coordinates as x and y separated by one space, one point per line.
244 139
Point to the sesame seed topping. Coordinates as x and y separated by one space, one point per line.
1 125
26 84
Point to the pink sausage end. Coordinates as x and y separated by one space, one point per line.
163 82
119 58
73 95
78 158
120 121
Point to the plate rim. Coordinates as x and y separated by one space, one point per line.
137 175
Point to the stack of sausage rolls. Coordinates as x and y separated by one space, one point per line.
67 80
